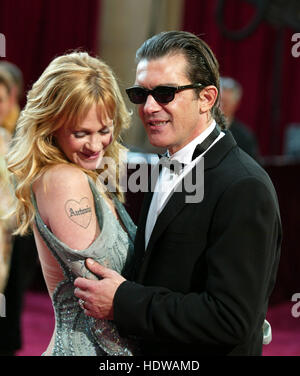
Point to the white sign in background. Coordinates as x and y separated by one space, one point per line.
2 45
2 306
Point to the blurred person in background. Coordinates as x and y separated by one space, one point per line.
5 193
18 253
231 95
16 94
9 324
5 107
6 225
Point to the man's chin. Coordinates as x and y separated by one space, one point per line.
158 143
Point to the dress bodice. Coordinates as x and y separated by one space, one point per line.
76 333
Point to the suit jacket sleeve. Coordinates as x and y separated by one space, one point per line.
242 259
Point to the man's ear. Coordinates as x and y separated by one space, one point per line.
208 97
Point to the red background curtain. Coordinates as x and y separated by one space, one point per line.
270 100
36 31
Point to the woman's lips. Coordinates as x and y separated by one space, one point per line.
90 157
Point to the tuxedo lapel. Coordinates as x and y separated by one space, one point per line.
171 209
140 236
177 199
175 203
139 244
145 206
218 151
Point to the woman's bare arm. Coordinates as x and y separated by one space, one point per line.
66 205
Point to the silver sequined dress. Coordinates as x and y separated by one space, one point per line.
76 333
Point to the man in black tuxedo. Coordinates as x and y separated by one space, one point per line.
204 268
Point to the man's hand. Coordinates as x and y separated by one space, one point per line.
97 296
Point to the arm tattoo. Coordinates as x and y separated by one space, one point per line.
79 212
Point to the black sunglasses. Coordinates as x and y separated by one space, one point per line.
162 94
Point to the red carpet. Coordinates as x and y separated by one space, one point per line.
38 325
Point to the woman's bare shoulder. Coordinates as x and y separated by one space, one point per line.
61 173
60 178
66 204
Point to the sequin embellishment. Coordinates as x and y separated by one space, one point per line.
76 333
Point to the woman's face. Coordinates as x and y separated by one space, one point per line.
4 103
85 144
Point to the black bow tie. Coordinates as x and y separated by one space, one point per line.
201 148
174 165
177 166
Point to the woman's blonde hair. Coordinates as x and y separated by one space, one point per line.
63 95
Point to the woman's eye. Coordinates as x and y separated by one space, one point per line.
104 130
79 134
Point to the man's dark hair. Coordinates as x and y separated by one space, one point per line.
202 64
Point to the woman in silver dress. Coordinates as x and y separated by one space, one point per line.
66 138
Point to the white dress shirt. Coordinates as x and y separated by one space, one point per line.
168 180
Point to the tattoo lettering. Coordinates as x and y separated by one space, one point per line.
79 212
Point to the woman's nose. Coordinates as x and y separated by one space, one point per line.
94 143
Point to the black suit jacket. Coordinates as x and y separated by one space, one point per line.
203 284
244 138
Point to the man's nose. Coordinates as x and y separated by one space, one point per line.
151 105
